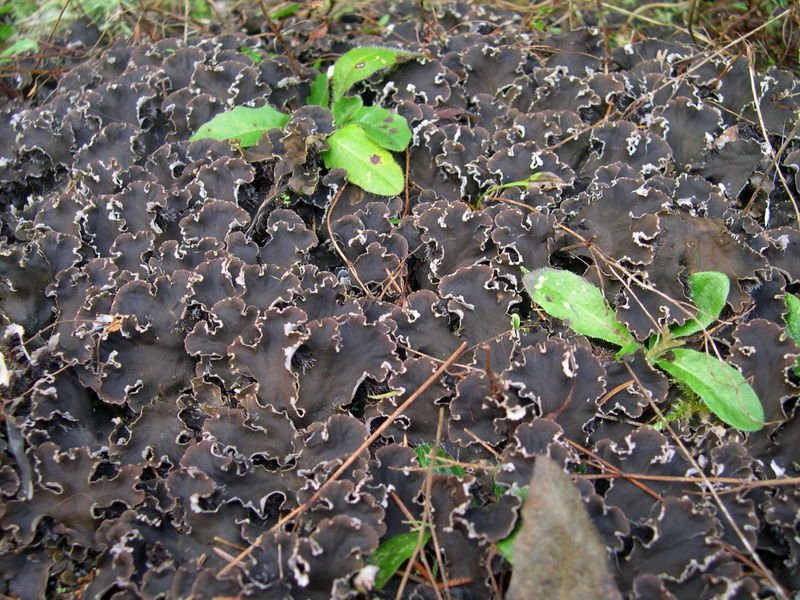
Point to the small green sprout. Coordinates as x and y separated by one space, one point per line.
539 180
364 136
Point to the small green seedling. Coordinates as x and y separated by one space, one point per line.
364 136
535 180
722 388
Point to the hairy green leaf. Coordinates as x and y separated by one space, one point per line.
367 164
709 291
344 109
384 126
319 92
722 388
359 63
392 553
571 298
243 124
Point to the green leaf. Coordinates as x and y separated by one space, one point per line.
722 388
254 55
392 553
571 298
6 31
709 291
423 452
345 108
18 47
505 547
286 11
319 92
386 127
629 348
793 317
367 164
200 9
243 124
359 63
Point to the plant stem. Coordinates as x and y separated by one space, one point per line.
663 342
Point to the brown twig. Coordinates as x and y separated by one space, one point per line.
426 520
276 31
350 266
765 134
630 478
690 19
407 202
427 508
427 572
740 484
349 461
610 394
482 444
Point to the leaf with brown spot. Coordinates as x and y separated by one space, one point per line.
359 63
367 164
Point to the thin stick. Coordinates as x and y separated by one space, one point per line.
346 464
616 471
276 30
483 444
741 484
350 266
614 392
426 520
407 203
765 133
437 549
427 572
690 24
